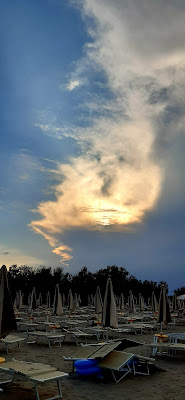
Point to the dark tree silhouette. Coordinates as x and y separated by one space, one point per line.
45 279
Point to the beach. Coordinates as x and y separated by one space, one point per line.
168 385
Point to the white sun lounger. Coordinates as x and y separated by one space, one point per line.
10 339
170 348
50 337
36 373
92 351
78 335
121 364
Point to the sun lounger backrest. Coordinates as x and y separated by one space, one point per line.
86 351
116 360
105 349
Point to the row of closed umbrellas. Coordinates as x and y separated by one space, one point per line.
107 308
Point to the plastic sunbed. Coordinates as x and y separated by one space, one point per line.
51 337
36 373
121 363
10 339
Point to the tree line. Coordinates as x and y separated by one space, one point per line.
45 279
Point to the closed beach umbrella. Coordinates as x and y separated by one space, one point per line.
63 299
76 304
109 307
98 304
70 301
48 300
164 310
154 303
29 300
90 300
40 300
79 299
57 304
174 303
131 302
122 302
33 304
18 300
7 317
141 302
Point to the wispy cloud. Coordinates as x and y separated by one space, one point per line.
118 177
72 85
61 251
25 165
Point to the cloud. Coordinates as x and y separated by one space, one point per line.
61 252
25 166
17 256
119 175
72 85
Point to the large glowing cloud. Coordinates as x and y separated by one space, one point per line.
118 178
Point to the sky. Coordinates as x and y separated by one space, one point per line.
92 136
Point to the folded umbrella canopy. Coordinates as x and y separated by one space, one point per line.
33 302
154 303
70 301
131 304
76 303
7 317
57 304
109 307
18 300
122 302
164 310
48 300
175 306
98 304
40 300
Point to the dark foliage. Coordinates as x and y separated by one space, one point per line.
180 291
45 279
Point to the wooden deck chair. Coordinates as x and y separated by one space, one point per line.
36 373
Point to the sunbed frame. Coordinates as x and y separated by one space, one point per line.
36 373
121 364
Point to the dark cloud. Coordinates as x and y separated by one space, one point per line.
158 96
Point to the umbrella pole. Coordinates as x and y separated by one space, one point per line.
107 334
47 317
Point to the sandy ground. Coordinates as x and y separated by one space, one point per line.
169 385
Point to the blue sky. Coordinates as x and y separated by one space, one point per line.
92 136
